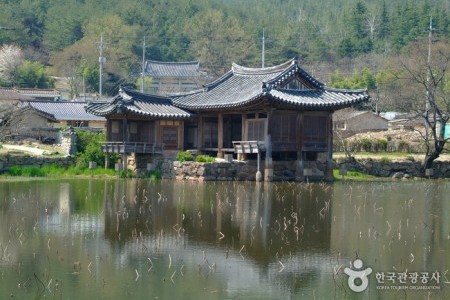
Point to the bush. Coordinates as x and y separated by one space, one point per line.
183 156
385 160
89 149
25 171
205 158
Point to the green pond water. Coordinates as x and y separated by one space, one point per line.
140 239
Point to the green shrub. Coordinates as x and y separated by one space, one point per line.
89 148
14 171
205 158
25 171
183 156
126 174
385 160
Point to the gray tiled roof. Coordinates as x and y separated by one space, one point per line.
11 94
242 86
319 99
68 111
138 103
44 114
173 69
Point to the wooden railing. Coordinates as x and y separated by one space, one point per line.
248 146
132 147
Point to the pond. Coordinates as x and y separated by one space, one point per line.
140 239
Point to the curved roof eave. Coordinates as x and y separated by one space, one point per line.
321 105
222 105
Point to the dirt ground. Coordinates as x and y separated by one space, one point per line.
393 135
396 136
29 148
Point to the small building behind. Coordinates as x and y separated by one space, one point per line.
349 122
68 114
37 94
174 77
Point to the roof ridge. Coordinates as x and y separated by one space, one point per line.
131 93
238 69
174 62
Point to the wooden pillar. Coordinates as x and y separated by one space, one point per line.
125 138
220 135
200 134
181 135
300 163
108 130
329 163
268 171
243 156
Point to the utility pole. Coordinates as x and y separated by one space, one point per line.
263 49
143 66
101 61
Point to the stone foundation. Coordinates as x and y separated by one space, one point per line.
235 170
286 170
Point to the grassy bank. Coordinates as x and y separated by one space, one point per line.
52 171
356 176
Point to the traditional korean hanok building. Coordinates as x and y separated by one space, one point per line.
141 125
283 108
275 113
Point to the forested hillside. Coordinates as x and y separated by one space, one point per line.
326 35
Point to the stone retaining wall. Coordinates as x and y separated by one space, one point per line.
34 161
400 169
236 170
286 170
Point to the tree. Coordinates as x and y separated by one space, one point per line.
218 40
33 75
118 39
426 91
11 57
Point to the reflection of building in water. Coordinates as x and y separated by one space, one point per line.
240 224
264 220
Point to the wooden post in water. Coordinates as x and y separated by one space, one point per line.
258 177
268 172
106 160
329 163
